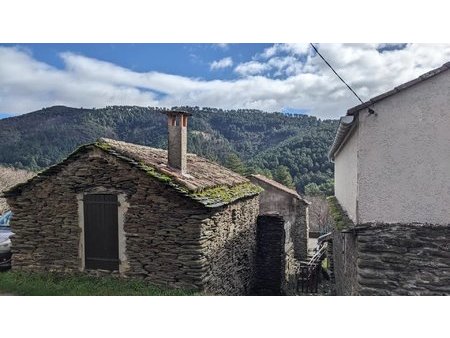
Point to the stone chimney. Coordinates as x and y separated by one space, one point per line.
177 141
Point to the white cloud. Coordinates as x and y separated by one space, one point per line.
251 68
270 51
286 48
303 80
223 46
220 64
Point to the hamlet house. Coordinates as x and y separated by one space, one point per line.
170 217
283 216
392 187
277 198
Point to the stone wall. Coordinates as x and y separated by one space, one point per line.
169 240
291 273
331 269
300 232
392 259
345 255
228 239
404 259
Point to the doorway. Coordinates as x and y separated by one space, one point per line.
101 239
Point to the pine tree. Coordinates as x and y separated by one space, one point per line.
312 189
234 163
283 176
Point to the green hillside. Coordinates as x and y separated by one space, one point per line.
244 140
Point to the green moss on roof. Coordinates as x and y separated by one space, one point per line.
226 194
102 145
340 217
154 173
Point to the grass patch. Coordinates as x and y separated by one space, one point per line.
52 284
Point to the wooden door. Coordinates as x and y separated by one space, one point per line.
101 240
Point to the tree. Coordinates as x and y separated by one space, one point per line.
257 170
267 173
234 163
327 188
324 189
319 214
312 189
283 176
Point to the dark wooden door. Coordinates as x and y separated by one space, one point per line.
101 239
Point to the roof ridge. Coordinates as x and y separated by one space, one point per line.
399 88
280 186
345 127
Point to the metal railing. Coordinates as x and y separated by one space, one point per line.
310 271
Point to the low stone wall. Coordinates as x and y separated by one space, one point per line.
389 259
392 259
404 259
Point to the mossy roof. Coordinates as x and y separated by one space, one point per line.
205 182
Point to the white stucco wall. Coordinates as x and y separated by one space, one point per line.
345 174
404 157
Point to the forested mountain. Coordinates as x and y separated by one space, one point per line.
245 140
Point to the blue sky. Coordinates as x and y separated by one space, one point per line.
191 60
270 77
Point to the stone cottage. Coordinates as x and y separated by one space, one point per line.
173 218
292 211
392 187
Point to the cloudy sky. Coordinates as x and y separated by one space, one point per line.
270 77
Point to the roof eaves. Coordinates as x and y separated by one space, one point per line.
346 124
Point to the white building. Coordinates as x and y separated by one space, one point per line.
392 154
